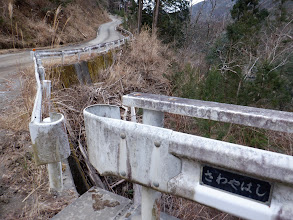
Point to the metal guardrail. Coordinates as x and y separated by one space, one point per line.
240 180
49 136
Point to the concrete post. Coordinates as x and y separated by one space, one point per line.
150 203
55 177
54 169
62 58
46 98
133 114
136 187
41 73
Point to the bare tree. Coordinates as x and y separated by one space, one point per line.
156 15
139 15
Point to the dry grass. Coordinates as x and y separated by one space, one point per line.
140 67
280 142
17 114
128 72
23 185
189 210
43 23
144 66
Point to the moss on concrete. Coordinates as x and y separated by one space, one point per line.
95 66
65 76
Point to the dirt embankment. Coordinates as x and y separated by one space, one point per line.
38 23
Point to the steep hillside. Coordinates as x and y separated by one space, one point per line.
220 9
214 9
35 23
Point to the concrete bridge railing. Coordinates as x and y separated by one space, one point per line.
240 180
49 135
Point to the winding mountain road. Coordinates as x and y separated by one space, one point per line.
11 64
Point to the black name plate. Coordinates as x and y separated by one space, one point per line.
237 184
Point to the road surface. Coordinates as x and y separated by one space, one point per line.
11 64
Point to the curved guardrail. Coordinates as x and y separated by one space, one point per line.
246 182
49 137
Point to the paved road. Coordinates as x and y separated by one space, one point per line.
11 64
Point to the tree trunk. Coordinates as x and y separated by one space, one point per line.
155 16
140 4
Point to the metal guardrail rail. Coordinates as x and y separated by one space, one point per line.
49 136
240 180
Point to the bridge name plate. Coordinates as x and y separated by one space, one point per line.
238 184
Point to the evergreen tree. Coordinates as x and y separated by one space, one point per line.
247 18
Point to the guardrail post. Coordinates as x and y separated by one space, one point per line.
41 73
46 97
55 177
54 169
150 203
136 187
78 56
62 59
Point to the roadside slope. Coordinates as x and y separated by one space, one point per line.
23 185
11 64
39 23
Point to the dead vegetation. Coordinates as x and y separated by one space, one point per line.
144 67
45 23
141 66
23 185
129 72
17 114
189 210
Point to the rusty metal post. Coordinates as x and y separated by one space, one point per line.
54 169
150 202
